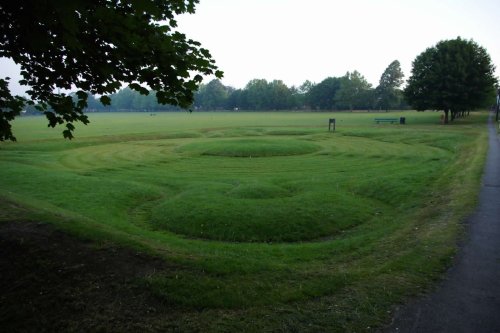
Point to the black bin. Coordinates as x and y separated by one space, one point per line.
402 120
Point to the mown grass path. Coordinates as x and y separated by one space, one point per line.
468 300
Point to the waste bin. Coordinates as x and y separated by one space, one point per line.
402 120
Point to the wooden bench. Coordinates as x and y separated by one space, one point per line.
387 120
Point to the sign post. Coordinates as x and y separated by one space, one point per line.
331 124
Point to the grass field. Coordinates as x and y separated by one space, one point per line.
271 222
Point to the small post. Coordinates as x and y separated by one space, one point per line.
331 124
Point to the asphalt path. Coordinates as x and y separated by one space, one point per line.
468 300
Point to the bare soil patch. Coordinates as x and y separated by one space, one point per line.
53 282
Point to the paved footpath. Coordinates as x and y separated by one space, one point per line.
468 300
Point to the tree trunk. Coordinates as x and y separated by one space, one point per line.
453 115
446 116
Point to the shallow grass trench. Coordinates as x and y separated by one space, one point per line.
272 222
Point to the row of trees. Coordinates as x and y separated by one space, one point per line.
455 76
349 92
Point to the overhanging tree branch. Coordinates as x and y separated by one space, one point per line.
96 46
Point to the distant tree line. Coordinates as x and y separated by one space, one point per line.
125 99
455 76
349 92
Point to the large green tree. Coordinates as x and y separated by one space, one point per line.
258 94
212 95
321 96
352 92
454 76
388 93
95 46
281 95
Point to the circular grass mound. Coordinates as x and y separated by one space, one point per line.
251 147
258 213
258 191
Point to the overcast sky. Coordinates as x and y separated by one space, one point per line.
296 40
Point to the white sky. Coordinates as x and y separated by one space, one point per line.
297 40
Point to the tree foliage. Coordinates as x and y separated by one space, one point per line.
349 92
454 76
212 96
96 46
322 95
388 93
353 91
260 94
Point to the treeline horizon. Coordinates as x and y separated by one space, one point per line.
349 92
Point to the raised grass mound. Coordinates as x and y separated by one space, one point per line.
251 147
258 212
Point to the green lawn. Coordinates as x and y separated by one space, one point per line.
272 222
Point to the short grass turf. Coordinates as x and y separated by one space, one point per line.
273 222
